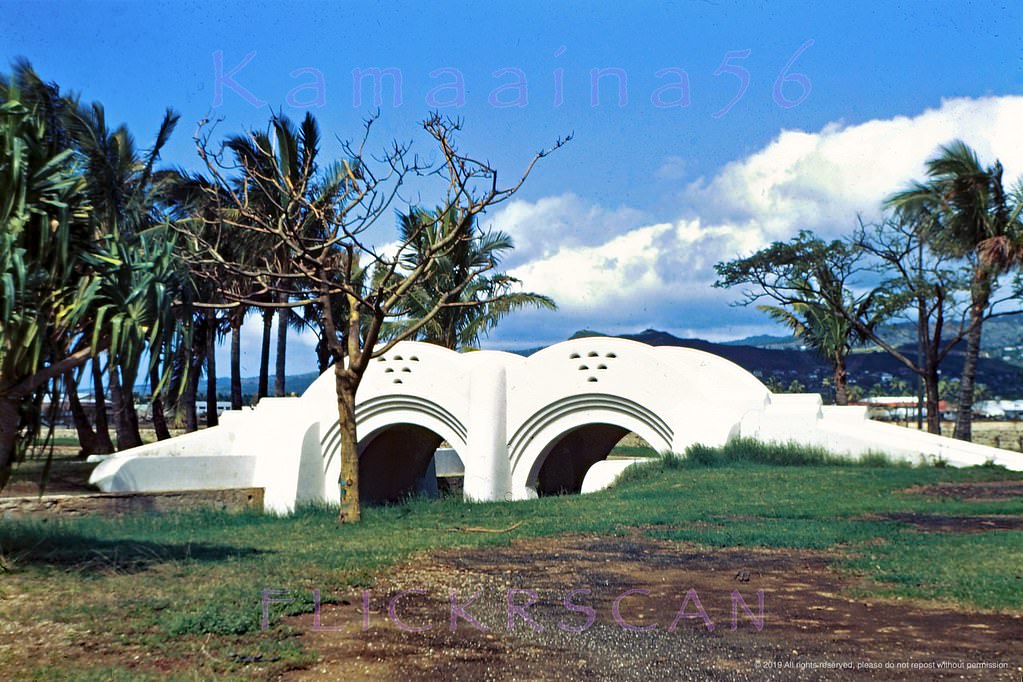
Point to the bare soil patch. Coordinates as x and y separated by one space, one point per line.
810 628
939 523
981 491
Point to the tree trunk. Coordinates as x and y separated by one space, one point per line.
236 364
282 350
189 397
933 399
264 356
130 412
978 304
348 482
211 375
841 382
195 365
127 434
322 355
86 436
156 405
922 331
9 417
104 444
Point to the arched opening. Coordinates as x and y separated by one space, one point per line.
570 457
395 462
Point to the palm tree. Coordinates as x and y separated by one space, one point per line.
285 156
975 216
475 307
44 297
121 187
831 336
68 294
192 207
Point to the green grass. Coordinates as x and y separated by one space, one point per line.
175 585
633 451
748 450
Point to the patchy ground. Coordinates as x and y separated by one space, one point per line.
810 628
988 491
653 610
67 475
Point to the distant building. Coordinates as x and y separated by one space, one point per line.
999 409
897 407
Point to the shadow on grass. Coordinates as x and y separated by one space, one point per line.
58 546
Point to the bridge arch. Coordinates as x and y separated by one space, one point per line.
554 448
397 437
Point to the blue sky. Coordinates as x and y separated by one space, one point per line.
624 224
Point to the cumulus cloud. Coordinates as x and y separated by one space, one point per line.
822 180
541 228
614 269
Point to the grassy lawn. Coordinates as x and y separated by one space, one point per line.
155 595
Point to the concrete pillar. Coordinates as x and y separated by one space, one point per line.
487 469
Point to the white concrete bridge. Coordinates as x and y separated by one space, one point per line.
520 426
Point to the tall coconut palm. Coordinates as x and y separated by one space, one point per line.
192 208
485 298
974 214
282 157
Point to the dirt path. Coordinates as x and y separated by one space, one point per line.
810 629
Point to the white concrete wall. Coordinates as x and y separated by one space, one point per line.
502 414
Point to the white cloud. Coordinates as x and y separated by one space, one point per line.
611 268
822 180
540 229
301 347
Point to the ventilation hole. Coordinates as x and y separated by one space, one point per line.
413 358
398 357
610 355
602 366
582 367
593 354
398 381
593 379
388 370
574 356
405 369
381 359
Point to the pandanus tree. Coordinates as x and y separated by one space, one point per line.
123 195
322 217
52 108
46 286
482 301
66 294
977 218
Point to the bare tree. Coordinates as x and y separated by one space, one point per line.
922 287
318 230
